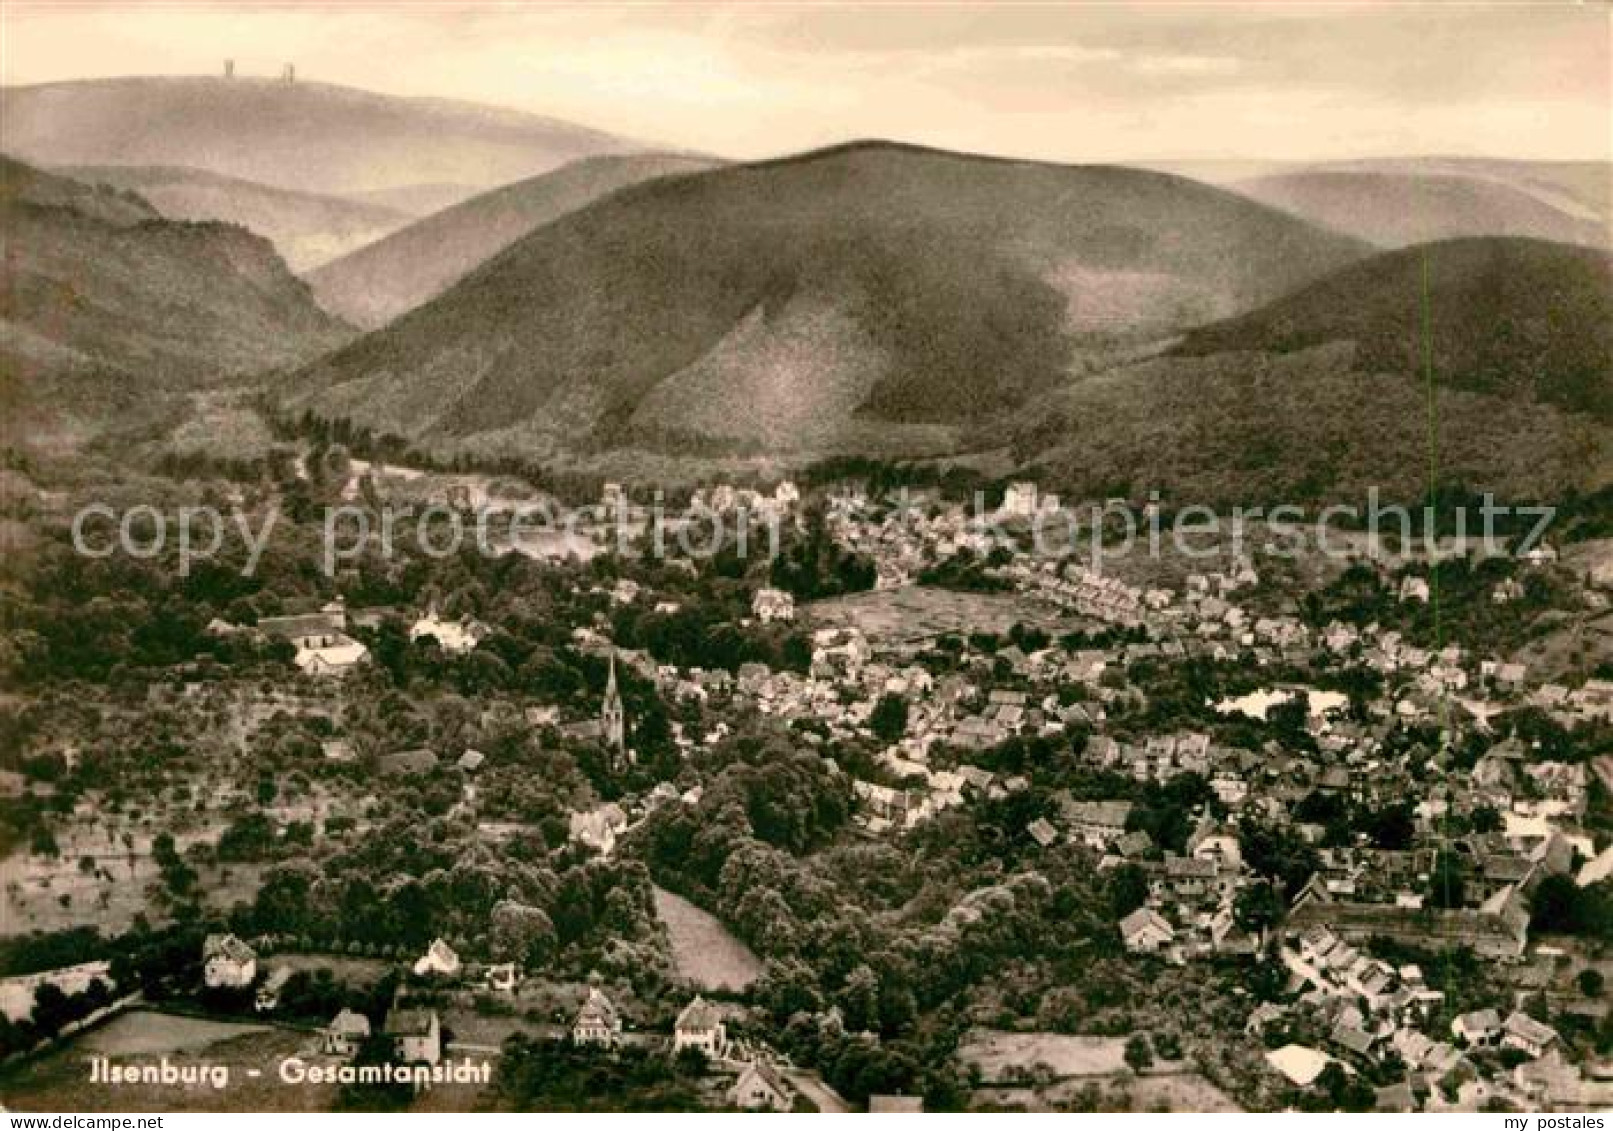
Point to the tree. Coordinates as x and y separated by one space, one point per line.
1340 1089
1563 907
1128 890
1590 982
692 1061
859 1000
177 876
1391 827
889 718
1139 1053
522 934
1258 907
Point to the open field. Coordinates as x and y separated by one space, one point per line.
1174 1091
469 1027
994 1051
353 970
140 1033
252 1054
52 893
705 953
1078 1062
60 1081
893 616
1179 1091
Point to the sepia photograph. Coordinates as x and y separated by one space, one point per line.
916 556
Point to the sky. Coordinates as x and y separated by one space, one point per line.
1066 81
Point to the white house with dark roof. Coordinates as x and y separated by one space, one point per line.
228 963
597 1022
1522 1032
1145 931
700 1026
440 959
347 1031
320 639
1478 1027
416 1033
760 1087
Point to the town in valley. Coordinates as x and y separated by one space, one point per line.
501 615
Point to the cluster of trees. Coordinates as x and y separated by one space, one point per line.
1560 906
968 571
1465 612
705 634
546 1075
760 790
1279 853
812 565
403 886
879 477
53 1011
97 620
49 950
875 950
1391 826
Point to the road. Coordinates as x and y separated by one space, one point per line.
813 1088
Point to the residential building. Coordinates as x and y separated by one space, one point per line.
416 1034
1145 931
700 1026
1522 1032
228 963
440 959
773 605
597 1021
345 1034
760 1087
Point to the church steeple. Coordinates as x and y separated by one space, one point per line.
612 716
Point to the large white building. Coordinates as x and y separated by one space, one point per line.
228 963
453 636
700 1026
1020 499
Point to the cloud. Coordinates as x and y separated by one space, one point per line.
1194 65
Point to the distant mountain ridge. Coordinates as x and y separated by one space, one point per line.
108 309
303 136
1393 208
865 294
376 283
416 200
1526 319
1323 393
307 229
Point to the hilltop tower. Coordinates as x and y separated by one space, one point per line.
289 75
612 715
